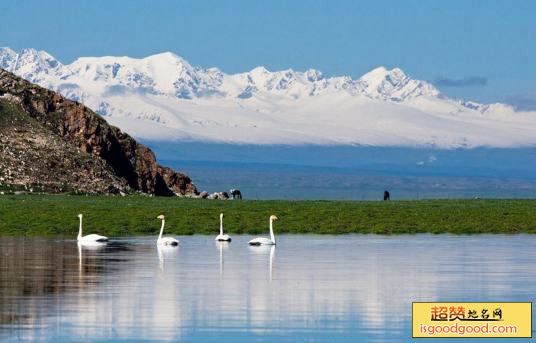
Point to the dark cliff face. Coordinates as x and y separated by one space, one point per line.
132 163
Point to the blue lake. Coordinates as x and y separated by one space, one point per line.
306 289
353 172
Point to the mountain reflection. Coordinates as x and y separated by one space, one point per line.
33 270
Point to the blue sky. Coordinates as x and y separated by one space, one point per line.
480 50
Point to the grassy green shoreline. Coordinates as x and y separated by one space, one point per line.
46 215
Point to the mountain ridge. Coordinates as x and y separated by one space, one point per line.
378 81
163 97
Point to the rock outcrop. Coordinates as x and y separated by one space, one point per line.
77 148
218 196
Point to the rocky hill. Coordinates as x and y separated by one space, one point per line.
51 144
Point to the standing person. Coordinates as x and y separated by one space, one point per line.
386 196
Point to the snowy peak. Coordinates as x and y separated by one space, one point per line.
313 75
395 85
168 58
381 80
38 66
380 83
164 74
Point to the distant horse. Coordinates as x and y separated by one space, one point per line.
236 194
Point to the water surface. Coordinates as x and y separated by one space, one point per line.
306 289
353 172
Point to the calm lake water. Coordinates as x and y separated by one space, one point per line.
306 289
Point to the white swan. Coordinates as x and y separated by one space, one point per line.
264 240
89 239
221 236
165 240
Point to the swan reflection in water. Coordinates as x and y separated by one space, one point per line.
263 250
94 246
222 245
166 252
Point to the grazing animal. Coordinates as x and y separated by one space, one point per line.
89 239
236 194
386 196
264 240
165 240
221 236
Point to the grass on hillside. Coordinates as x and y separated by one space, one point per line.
136 215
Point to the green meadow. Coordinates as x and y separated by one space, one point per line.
56 215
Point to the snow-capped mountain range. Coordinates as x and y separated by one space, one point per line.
163 97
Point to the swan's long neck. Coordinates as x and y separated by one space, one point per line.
221 226
80 229
162 229
272 236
